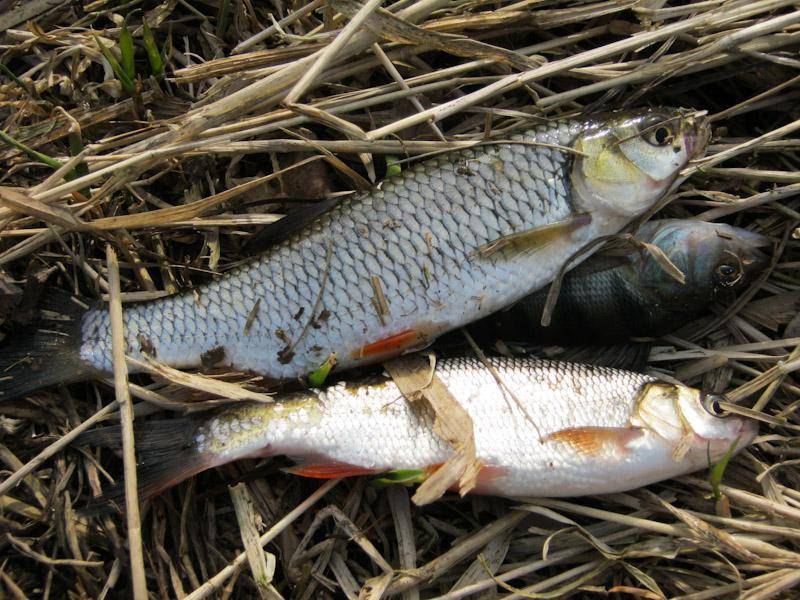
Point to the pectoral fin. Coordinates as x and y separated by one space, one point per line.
593 441
537 238
393 345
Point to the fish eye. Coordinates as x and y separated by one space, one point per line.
727 275
713 406
659 135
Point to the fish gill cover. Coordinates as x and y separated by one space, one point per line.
170 137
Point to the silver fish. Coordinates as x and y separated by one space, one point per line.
578 430
448 241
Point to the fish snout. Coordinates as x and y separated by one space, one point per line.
738 430
753 239
748 430
696 134
756 260
752 253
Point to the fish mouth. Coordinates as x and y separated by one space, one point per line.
719 447
696 134
748 430
757 260
753 259
754 240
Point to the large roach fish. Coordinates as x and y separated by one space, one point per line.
448 241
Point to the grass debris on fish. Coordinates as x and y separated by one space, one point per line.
580 430
473 232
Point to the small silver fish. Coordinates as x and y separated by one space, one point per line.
579 430
448 241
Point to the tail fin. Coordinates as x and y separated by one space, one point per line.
46 351
166 451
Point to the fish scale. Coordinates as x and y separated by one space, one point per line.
416 235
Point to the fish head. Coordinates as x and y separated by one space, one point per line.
692 422
715 258
627 160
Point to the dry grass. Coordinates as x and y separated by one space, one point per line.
263 105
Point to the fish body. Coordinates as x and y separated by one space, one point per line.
449 241
610 299
577 430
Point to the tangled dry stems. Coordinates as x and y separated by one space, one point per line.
265 107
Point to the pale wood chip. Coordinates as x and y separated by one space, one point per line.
416 377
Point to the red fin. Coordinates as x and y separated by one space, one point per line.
592 440
394 344
330 470
489 474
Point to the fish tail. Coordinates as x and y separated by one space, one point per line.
46 351
166 455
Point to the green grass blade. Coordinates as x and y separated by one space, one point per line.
222 18
128 52
392 166
320 374
718 470
34 154
153 53
401 476
127 82
13 77
75 148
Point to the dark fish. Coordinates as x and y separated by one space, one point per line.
608 299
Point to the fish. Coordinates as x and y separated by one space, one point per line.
446 242
609 299
577 430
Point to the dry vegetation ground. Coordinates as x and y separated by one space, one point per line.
178 156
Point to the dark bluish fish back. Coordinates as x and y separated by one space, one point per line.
609 299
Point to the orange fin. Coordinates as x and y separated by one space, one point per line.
330 470
488 474
592 440
394 344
